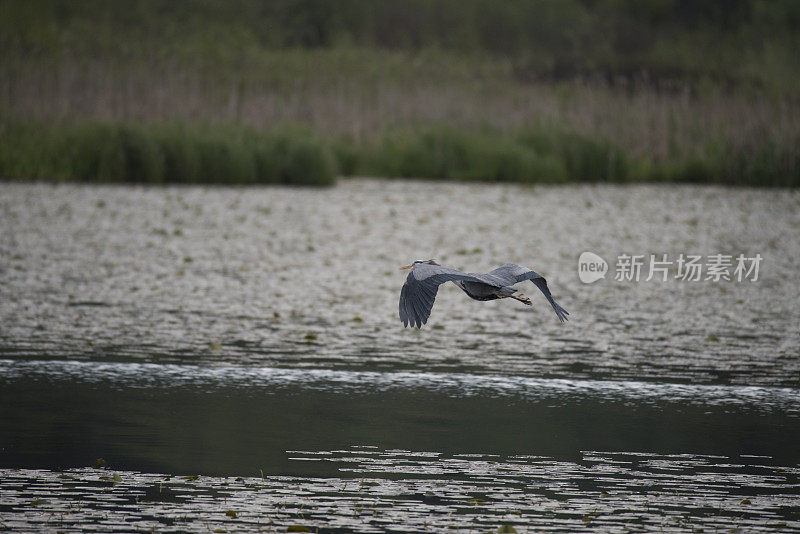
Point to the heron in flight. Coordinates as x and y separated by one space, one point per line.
419 290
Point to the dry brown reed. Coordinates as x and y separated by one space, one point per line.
364 94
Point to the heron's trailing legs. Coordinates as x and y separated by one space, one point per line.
522 298
511 292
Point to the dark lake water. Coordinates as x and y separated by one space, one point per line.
250 337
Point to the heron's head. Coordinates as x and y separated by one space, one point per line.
429 262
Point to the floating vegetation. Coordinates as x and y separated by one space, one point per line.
406 491
212 299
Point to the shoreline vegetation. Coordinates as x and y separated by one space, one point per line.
300 92
234 154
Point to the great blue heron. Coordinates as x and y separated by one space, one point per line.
419 290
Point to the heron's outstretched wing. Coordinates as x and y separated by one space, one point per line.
517 273
419 291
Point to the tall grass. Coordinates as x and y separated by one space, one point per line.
230 154
383 111
124 152
608 91
544 155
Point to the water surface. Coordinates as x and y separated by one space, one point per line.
404 491
253 333
308 278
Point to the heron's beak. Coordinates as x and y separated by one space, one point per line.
407 267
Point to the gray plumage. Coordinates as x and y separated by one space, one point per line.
422 284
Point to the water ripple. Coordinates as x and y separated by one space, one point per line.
148 375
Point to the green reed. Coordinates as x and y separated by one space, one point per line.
94 151
124 152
